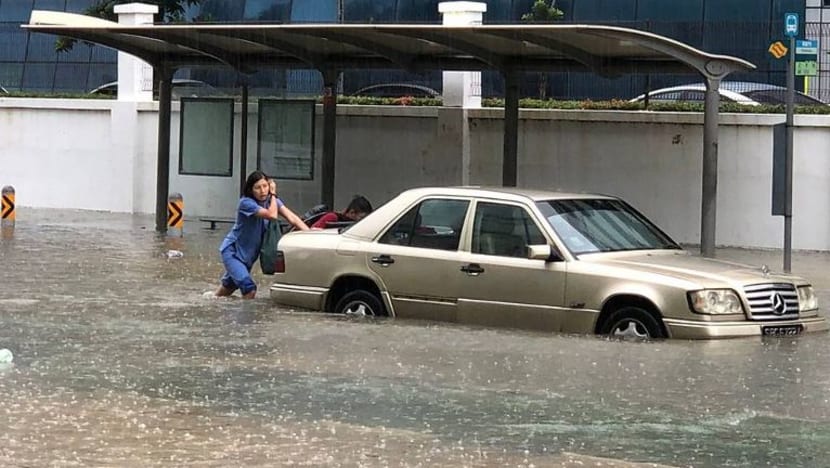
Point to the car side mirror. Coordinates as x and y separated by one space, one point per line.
543 252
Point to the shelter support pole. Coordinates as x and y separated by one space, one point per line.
243 141
709 196
509 169
163 158
329 135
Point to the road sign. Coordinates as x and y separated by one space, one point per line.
806 58
806 47
778 49
791 24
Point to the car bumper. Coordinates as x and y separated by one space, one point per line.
307 297
696 330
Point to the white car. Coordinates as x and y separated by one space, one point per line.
741 92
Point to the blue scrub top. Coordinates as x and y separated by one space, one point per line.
246 234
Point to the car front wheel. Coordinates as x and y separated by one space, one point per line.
360 303
633 323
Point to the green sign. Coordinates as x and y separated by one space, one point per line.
806 68
806 58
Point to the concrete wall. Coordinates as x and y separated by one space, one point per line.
101 155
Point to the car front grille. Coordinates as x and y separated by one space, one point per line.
772 301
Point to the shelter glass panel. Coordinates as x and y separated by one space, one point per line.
285 143
206 137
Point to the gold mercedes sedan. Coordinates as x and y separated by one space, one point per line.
506 257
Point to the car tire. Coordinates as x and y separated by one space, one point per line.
633 323
360 303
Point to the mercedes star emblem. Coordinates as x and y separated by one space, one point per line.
778 305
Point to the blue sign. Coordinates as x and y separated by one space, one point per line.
806 47
791 24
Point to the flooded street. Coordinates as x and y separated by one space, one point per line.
123 358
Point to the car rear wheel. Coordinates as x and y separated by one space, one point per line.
633 323
360 303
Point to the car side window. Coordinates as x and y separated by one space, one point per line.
504 230
694 96
432 224
665 96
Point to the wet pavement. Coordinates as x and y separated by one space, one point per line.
122 358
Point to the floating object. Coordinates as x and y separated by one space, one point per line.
174 254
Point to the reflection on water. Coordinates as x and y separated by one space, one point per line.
122 356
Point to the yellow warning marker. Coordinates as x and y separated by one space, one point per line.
7 206
778 49
175 212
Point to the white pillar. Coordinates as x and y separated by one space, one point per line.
462 89
135 77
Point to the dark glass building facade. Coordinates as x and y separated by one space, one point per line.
744 28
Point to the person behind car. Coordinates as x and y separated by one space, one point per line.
358 208
258 206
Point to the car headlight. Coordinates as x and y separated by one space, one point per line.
807 299
715 302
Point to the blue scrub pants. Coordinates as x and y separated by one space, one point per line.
237 273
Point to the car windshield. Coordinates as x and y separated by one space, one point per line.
779 96
602 225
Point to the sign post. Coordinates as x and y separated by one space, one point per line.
791 31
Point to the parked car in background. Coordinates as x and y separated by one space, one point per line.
741 92
573 263
181 88
397 90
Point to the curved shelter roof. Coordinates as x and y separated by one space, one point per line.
510 49
606 50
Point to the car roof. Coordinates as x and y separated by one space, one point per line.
732 89
378 219
113 85
418 89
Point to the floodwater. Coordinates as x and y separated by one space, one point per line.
122 358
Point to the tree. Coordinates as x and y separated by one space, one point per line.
170 11
543 12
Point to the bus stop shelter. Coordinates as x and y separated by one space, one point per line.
330 48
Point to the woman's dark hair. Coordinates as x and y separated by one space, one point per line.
359 204
252 179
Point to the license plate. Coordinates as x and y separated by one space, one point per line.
782 330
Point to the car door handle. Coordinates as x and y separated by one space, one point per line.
383 260
473 269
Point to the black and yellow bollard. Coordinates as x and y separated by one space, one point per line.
7 208
175 214
7 212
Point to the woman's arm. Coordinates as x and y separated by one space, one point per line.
292 218
270 212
